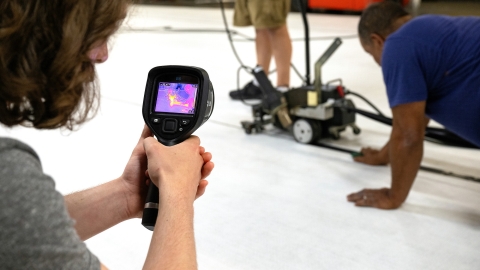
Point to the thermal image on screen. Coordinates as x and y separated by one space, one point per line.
176 98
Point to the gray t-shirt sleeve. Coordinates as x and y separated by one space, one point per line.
36 231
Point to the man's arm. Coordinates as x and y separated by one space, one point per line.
405 150
173 243
98 208
177 173
376 157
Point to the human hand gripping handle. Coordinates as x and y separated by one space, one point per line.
179 171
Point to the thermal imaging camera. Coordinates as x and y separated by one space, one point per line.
177 101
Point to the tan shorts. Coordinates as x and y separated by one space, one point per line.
261 13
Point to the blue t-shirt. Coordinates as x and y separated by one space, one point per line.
437 59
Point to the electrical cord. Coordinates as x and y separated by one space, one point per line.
249 69
366 100
304 80
242 66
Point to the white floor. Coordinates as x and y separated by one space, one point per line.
272 203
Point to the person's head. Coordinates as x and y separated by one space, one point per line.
377 22
47 54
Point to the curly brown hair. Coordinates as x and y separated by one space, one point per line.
46 76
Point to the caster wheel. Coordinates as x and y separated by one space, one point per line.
247 126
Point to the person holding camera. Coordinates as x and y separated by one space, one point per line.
48 52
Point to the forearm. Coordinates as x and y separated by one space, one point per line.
385 153
97 209
173 244
405 157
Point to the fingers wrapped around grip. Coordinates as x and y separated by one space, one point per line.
176 168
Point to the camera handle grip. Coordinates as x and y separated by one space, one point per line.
150 210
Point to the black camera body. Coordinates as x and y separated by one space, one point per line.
177 101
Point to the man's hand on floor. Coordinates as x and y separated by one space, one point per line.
378 198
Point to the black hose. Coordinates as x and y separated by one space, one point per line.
380 118
366 100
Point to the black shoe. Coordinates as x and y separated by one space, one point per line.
249 91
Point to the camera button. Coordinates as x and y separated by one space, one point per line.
156 120
169 125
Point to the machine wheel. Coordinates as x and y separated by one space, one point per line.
356 130
306 131
248 126
335 135
258 129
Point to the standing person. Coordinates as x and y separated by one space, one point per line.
431 69
269 17
48 52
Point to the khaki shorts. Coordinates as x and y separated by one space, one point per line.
261 13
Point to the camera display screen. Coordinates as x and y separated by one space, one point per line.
176 97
